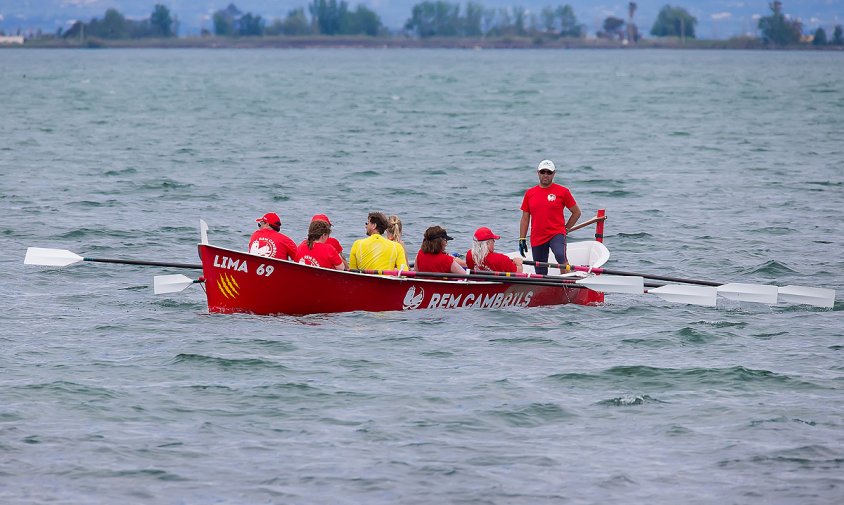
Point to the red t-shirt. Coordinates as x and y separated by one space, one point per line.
272 244
321 255
333 242
545 206
427 262
494 262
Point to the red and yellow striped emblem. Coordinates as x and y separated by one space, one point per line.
228 286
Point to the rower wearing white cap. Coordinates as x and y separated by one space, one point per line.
543 209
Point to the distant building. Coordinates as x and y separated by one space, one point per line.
11 39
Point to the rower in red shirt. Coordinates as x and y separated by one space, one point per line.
482 256
432 256
331 240
268 241
316 251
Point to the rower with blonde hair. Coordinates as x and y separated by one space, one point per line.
482 255
393 231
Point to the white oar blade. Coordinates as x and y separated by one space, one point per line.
163 284
694 295
819 297
614 284
758 293
50 257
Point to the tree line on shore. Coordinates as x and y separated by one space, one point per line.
435 18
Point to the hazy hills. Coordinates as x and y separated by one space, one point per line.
716 18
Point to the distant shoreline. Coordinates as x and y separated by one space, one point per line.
309 42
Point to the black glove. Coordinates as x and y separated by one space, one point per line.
522 246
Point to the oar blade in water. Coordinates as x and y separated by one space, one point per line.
819 297
614 284
694 295
758 293
50 257
163 284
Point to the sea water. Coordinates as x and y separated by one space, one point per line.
719 165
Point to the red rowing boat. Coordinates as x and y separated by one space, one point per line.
235 281
241 282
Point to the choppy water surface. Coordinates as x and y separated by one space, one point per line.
718 165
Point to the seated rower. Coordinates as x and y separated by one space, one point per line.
331 240
316 251
376 252
268 241
482 255
393 231
432 256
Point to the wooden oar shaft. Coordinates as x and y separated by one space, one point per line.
584 224
147 263
570 268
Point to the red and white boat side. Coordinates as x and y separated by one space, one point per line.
240 282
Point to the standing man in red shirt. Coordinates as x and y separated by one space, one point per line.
543 209
267 241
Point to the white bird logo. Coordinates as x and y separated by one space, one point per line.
413 300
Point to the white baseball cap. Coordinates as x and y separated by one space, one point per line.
546 165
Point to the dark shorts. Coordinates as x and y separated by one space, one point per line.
540 252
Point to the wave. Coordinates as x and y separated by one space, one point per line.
98 232
641 234
616 193
125 171
89 204
225 363
71 388
695 336
637 376
771 267
165 185
367 173
834 184
534 414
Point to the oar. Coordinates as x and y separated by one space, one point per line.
605 283
474 277
163 284
63 257
759 293
694 295
586 223
821 297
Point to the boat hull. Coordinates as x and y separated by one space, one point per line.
240 282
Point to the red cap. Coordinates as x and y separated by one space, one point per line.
270 218
484 233
322 217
